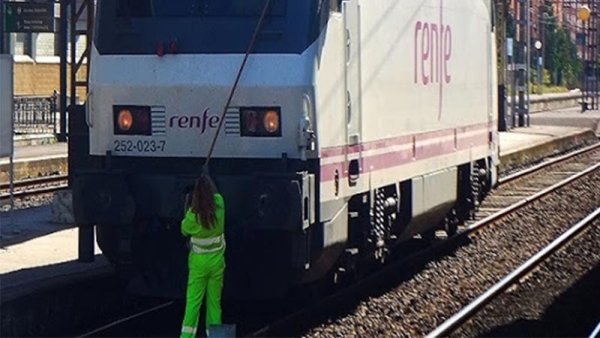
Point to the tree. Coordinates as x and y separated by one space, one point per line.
562 59
561 52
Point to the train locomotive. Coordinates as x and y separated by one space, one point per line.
356 125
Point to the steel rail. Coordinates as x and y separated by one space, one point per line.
35 181
128 318
531 198
25 193
596 332
470 310
545 164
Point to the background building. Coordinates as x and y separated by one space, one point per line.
37 61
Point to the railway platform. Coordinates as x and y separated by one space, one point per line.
38 262
570 117
39 255
523 146
35 160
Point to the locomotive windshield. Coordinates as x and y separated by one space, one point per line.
195 8
206 26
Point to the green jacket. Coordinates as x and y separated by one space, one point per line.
206 240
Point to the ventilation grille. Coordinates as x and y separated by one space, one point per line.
232 121
159 120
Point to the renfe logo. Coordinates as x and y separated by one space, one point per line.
195 121
432 53
433 50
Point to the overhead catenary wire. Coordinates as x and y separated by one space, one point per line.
235 84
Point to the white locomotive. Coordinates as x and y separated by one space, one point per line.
356 125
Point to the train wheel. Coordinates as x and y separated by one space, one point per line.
451 223
451 229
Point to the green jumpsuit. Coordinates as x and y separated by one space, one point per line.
206 263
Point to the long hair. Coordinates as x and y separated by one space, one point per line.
203 201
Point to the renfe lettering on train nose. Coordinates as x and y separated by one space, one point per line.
432 52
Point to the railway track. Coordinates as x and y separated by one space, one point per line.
513 278
548 163
523 187
36 186
526 189
98 332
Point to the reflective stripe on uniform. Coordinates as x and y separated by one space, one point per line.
188 329
208 245
200 250
207 241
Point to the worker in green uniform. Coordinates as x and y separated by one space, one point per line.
204 223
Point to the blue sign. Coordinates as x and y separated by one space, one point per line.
580 39
29 17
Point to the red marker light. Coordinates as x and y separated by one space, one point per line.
142 120
173 47
160 49
251 117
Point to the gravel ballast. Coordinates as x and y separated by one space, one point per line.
559 299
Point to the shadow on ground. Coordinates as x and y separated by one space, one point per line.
23 225
575 313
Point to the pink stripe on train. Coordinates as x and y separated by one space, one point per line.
400 140
397 158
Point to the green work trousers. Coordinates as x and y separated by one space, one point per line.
205 276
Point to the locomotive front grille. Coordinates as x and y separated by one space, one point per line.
159 120
232 122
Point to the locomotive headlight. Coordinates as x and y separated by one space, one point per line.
271 121
125 119
260 121
132 120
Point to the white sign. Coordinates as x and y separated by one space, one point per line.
509 47
6 105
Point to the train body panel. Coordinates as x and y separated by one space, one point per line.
187 94
385 129
425 101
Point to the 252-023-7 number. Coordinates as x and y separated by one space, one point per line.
140 146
